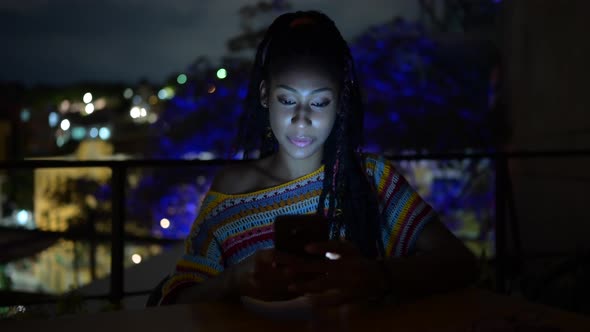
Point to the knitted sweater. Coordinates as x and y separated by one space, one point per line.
230 228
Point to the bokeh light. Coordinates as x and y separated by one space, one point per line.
89 108
162 94
221 73
104 133
100 103
65 124
128 93
136 258
78 133
22 217
60 141
53 119
181 79
64 106
25 115
87 97
152 118
165 223
166 93
135 112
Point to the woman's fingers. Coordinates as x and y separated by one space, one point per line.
275 258
317 285
277 273
312 267
285 259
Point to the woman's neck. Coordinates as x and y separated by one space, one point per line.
290 169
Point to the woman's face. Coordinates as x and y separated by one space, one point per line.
302 103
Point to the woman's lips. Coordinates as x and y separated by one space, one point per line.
301 141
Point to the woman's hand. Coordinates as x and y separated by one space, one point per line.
262 275
346 277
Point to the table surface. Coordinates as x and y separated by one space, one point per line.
463 310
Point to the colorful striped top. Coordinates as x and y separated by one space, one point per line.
230 228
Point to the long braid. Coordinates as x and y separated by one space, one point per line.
254 126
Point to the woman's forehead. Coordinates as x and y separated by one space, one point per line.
323 64
304 78
303 72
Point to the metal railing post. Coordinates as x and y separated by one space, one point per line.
119 177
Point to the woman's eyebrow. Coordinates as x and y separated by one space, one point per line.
286 87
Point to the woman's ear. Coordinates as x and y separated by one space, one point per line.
263 94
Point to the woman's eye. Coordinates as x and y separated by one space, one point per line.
286 101
322 104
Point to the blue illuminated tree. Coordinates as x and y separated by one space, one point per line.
420 94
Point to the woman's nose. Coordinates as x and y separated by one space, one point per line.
301 117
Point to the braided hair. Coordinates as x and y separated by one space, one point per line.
352 204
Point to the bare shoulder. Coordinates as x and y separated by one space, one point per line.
236 178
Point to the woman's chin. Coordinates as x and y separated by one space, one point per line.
302 153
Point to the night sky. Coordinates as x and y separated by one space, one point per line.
68 41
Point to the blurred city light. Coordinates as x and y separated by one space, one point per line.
136 258
78 133
100 103
60 141
137 99
135 112
87 97
64 106
221 73
128 93
162 94
166 93
22 217
206 155
89 108
104 133
153 100
93 132
170 92
152 118
181 79
53 119
25 115
65 124
211 88
138 112
165 223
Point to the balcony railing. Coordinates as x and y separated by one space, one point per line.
503 196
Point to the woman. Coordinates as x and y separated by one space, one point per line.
304 116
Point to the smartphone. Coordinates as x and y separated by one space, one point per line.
293 232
